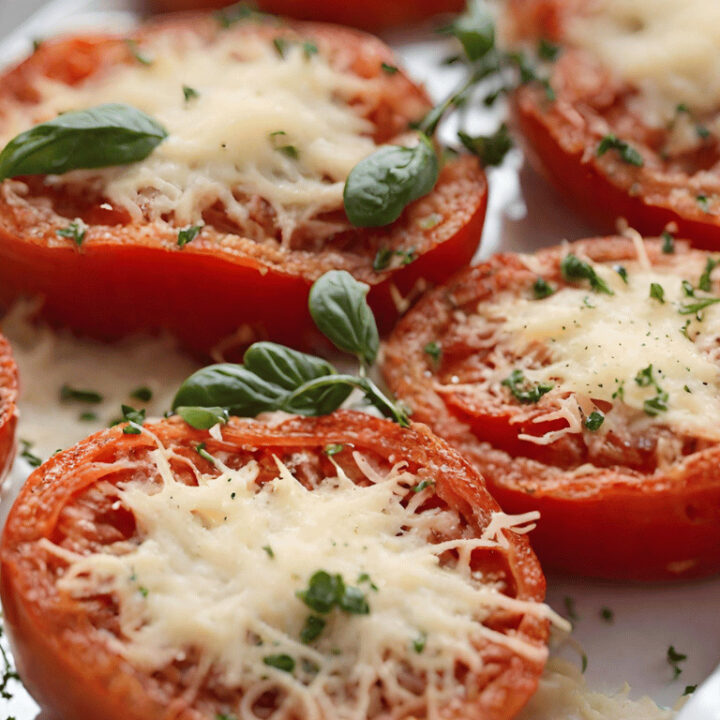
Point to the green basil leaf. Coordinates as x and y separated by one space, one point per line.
381 185
202 418
290 369
475 29
339 308
111 134
230 386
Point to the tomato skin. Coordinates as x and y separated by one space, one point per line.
622 521
374 15
223 291
8 407
562 137
75 677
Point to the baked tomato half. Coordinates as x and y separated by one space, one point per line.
291 567
375 15
220 231
8 408
630 127
583 382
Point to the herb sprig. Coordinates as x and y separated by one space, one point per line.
275 377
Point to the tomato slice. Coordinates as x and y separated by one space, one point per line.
8 408
60 640
563 136
375 15
223 289
612 504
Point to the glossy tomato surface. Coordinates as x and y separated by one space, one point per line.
563 135
60 642
610 505
223 289
8 408
374 15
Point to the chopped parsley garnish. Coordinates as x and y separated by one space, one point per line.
434 350
384 255
204 454
688 289
628 154
281 662
88 417
705 283
188 234
573 268
419 642
238 12
491 149
143 591
270 552
26 454
622 272
619 394
135 51
80 395
570 608
134 418
607 614
189 93
333 449
365 578
144 394
542 289
326 591
309 49
389 69
594 420
8 672
524 391
668 246
655 405
423 485
657 292
548 50
314 625
703 202
76 231
584 663
689 689
674 659
280 44
702 132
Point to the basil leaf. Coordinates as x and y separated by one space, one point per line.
381 185
339 308
475 30
202 418
230 386
111 134
290 369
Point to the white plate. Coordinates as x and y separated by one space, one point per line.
647 618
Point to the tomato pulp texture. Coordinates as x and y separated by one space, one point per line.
627 516
58 640
374 15
563 136
8 408
222 290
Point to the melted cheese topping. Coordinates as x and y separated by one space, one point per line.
219 564
669 49
227 141
591 347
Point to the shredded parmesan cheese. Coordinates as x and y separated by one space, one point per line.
259 124
668 49
621 350
218 565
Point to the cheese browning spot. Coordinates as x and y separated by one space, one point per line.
395 603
